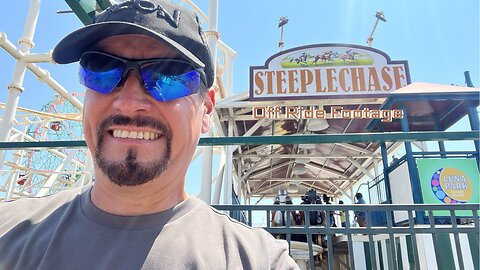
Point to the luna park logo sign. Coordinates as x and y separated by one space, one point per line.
451 186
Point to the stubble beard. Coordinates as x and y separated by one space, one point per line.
130 171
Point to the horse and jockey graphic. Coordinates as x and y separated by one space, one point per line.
349 55
326 57
302 59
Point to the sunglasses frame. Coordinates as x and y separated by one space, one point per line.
136 66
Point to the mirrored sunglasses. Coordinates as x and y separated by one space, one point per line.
164 79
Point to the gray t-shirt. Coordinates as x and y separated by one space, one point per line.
67 231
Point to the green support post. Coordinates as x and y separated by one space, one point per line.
86 10
412 170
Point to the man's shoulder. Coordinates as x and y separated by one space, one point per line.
35 209
241 232
204 218
60 197
221 218
210 224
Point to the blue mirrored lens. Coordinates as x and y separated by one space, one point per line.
164 79
169 87
103 82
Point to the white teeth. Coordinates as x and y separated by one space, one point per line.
145 135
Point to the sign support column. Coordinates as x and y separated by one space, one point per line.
412 169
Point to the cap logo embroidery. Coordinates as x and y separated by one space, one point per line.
147 7
173 20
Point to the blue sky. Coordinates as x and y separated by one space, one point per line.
438 38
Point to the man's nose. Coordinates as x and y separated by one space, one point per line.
131 96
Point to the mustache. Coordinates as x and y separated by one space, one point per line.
138 121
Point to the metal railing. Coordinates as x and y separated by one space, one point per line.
384 247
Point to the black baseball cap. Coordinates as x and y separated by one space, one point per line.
174 25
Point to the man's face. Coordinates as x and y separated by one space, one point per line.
135 138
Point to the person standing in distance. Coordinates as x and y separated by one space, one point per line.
361 215
343 217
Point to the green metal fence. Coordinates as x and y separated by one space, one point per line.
451 245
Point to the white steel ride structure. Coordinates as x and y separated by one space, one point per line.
42 171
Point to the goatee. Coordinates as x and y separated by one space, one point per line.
130 171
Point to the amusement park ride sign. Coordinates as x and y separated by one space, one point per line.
327 71
449 181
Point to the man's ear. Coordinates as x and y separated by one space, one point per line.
211 94
209 104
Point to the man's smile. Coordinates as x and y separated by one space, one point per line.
134 134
